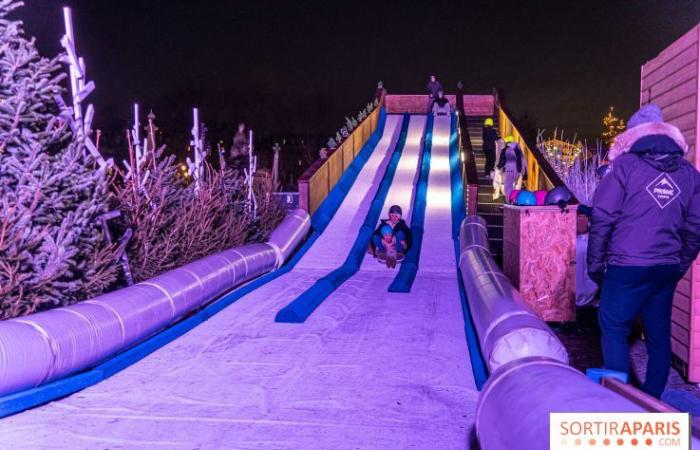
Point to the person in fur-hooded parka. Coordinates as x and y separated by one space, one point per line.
644 235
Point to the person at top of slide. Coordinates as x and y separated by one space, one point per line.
433 87
441 106
400 232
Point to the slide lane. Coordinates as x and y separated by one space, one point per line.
369 369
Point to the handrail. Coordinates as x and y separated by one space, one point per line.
470 175
540 174
318 180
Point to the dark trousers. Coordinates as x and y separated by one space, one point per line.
631 291
431 102
490 154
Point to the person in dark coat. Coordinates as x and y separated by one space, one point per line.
490 136
644 235
401 232
434 87
441 105
379 91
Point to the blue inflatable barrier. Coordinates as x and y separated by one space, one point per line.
326 210
458 213
301 308
409 268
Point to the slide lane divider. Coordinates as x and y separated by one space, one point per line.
305 304
30 398
458 213
409 267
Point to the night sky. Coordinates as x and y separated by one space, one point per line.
300 67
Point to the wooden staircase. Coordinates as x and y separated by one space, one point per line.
488 208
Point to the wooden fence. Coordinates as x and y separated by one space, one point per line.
318 180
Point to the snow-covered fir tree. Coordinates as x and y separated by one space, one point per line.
52 248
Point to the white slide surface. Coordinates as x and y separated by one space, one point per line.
369 369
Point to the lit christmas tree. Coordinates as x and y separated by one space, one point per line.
52 192
612 126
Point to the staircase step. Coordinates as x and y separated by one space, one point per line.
496 209
495 232
491 210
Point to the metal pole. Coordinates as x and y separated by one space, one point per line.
196 143
252 166
137 143
275 165
74 73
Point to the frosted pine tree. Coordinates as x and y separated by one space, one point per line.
52 249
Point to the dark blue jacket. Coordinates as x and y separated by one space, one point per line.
646 211
433 88
490 136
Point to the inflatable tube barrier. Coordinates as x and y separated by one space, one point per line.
283 241
514 405
458 212
409 267
305 304
49 345
507 329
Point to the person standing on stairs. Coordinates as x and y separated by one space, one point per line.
490 136
433 87
511 165
644 235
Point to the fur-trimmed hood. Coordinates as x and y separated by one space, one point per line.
624 142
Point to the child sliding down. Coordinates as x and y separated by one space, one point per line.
392 239
386 251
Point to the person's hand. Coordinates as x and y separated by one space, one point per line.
597 277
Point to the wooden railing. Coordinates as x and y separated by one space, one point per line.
470 175
540 174
318 180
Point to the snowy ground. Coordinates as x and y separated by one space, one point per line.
369 369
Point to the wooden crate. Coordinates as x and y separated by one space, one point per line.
671 81
539 257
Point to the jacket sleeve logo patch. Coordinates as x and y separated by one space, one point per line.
663 190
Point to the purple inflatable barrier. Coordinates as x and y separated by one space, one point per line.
285 238
49 345
507 329
514 406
